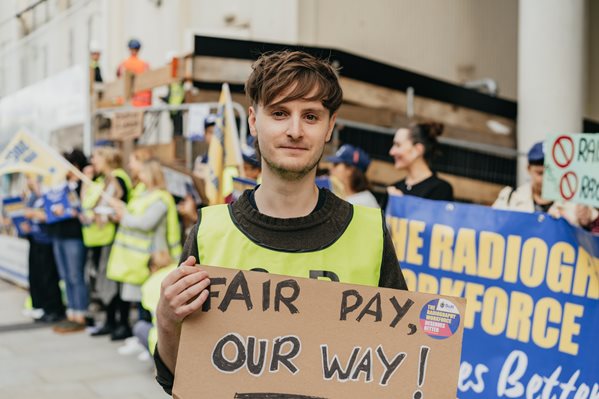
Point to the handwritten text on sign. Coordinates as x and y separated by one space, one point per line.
298 338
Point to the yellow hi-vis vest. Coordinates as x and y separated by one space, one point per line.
150 295
131 250
95 235
355 257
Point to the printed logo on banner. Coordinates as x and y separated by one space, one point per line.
439 318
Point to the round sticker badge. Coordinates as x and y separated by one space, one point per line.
439 318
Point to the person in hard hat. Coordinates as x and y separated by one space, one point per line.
94 63
135 65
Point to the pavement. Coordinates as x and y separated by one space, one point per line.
37 363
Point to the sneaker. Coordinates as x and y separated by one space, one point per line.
106 329
68 326
33 313
144 356
131 347
120 333
51 318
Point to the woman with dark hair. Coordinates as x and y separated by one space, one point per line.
413 150
349 167
69 251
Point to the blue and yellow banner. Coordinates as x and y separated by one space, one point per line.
532 288
26 154
224 151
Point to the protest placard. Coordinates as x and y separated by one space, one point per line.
60 197
14 208
532 286
127 125
572 168
262 335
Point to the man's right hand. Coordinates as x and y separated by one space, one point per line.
183 291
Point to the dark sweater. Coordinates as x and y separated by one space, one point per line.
318 230
431 188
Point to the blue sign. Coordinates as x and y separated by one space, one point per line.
14 208
532 288
60 203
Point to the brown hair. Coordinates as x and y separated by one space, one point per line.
426 134
358 181
274 73
112 156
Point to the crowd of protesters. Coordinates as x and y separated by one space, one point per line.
120 231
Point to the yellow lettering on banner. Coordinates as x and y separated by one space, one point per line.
427 284
533 261
546 310
560 267
570 328
491 250
586 277
415 242
410 278
464 257
451 287
441 253
473 304
521 308
399 234
494 311
512 259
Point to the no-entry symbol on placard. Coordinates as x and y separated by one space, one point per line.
568 185
563 151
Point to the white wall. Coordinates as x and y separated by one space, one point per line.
592 110
450 40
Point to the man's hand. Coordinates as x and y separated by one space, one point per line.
182 292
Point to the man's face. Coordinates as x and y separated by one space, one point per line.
536 177
291 135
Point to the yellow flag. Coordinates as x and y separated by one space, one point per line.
25 153
224 151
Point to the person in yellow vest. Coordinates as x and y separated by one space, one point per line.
286 225
148 223
99 230
144 340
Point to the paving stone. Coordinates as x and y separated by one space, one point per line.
38 363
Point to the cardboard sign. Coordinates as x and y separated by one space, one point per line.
127 125
572 168
269 336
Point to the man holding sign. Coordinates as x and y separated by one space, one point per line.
286 225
